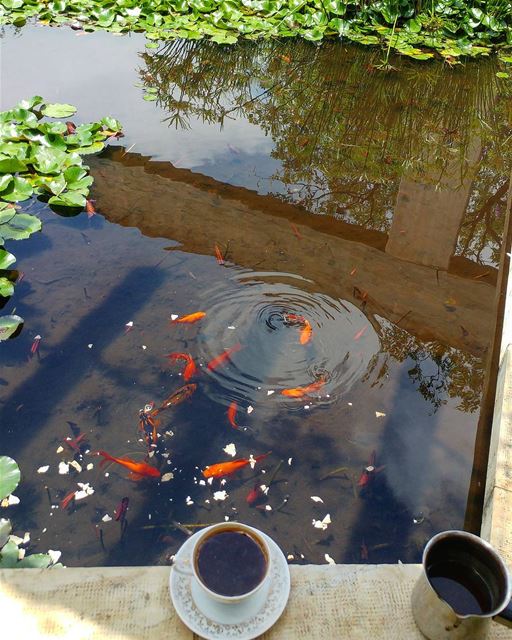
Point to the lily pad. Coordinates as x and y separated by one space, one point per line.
8 326
6 287
5 531
57 110
6 259
9 470
20 226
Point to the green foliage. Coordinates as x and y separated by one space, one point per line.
9 476
452 28
42 158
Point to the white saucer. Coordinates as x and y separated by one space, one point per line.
215 621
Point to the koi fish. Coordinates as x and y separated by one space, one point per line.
305 333
66 501
370 471
176 398
74 443
231 412
218 255
89 207
360 333
122 509
190 319
292 319
227 468
71 128
300 392
224 356
254 494
190 369
34 347
140 469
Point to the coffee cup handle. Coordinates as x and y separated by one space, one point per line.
184 566
504 617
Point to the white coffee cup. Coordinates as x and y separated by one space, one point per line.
189 565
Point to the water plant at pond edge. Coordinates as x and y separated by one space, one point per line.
452 28
12 548
41 158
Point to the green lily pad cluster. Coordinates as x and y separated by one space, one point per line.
453 28
41 157
12 548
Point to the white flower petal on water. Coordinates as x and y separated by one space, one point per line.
316 499
144 347
264 488
60 449
89 466
379 414
328 559
174 316
10 500
223 482
230 449
76 466
269 393
80 495
220 495
210 480
189 501
129 324
17 541
21 554
306 406
90 345
226 518
349 404
290 462
268 507
54 555
252 461
165 455
167 476
106 518
43 469
290 556
231 326
202 483
63 468
250 409
86 489
151 454
322 524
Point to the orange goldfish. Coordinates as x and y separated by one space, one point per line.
190 369
66 501
224 356
175 398
300 392
218 255
305 333
227 468
232 414
191 318
140 469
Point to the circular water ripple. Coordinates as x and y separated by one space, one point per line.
262 352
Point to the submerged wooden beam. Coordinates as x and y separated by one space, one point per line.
268 235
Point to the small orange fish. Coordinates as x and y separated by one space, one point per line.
305 333
218 255
140 469
224 356
232 414
89 207
66 501
254 495
190 370
293 319
295 231
227 468
175 398
177 356
360 333
300 392
190 319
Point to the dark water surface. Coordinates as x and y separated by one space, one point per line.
371 204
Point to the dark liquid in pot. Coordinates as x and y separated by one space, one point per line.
461 587
231 563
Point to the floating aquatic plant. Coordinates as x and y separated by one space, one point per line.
41 157
413 28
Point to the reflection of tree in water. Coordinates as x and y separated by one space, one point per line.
344 136
439 372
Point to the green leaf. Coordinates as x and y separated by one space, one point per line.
35 561
57 184
111 124
48 160
502 74
5 181
507 59
21 226
6 287
414 25
56 110
67 199
9 470
6 259
5 531
19 189
9 555
30 103
11 165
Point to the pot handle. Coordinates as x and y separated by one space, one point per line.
504 617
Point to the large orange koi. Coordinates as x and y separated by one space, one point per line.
137 468
300 392
305 333
190 319
175 398
224 356
227 468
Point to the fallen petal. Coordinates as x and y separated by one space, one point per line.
316 499
43 469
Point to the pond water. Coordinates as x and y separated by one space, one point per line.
371 204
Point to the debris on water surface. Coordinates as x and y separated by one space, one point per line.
290 556
270 392
43 469
75 466
250 409
290 462
220 495
63 468
189 501
230 449
54 555
60 449
167 476
379 414
174 316
328 559
85 490
322 524
89 466
106 518
90 345
316 499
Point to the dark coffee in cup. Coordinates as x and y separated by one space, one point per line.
231 562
